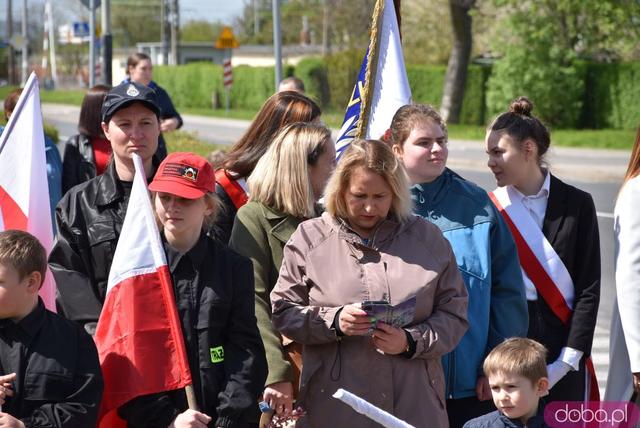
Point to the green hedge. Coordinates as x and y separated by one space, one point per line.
606 97
611 96
313 72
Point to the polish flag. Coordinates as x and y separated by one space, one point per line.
24 191
139 337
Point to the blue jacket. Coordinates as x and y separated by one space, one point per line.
498 420
54 175
488 261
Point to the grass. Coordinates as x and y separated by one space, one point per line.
620 139
181 141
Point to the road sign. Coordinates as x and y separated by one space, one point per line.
86 3
227 73
226 40
80 29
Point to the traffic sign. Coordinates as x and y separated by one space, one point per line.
87 3
226 40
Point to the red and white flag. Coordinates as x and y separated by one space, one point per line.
24 191
139 338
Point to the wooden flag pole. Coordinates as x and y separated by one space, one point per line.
370 73
191 397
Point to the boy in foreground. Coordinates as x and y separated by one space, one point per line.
517 374
49 370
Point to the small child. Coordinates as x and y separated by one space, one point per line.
214 295
49 369
517 373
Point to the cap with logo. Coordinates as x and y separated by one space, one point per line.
184 174
125 94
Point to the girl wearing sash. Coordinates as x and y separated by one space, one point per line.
556 231
624 368
278 111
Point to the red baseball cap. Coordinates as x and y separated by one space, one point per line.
184 174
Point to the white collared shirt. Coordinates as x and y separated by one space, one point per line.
536 206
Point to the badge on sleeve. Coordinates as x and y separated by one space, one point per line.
217 354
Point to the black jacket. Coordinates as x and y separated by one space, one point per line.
213 286
78 162
59 383
221 230
571 227
89 220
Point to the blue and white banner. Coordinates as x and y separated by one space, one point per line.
389 90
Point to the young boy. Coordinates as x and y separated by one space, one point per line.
517 373
49 370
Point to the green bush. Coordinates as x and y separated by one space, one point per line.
190 85
556 89
313 72
611 96
342 71
195 85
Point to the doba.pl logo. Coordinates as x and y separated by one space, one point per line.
592 414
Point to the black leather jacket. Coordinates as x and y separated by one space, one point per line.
89 219
78 162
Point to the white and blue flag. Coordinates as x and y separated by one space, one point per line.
389 87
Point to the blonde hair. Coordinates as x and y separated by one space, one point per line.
377 157
281 179
519 356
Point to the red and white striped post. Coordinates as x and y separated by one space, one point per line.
227 73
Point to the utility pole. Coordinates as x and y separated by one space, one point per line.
92 43
164 34
49 43
326 46
25 47
107 42
277 42
175 22
10 53
256 17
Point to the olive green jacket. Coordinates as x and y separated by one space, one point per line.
261 233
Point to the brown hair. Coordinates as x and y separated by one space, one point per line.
23 252
519 356
634 161
377 157
407 117
134 59
281 109
10 102
521 125
90 112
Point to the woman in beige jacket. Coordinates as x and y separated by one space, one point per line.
368 247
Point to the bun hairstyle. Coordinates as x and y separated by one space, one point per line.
521 125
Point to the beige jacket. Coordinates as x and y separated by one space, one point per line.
326 266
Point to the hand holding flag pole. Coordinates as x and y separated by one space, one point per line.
139 336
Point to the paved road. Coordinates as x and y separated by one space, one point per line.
599 172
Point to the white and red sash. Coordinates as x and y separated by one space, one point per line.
542 265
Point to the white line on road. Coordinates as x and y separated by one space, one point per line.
604 215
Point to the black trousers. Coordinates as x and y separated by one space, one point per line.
572 386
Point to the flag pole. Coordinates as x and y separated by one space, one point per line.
370 74
191 397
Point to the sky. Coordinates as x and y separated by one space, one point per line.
210 10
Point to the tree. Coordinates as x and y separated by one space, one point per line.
135 21
542 44
456 75
200 31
